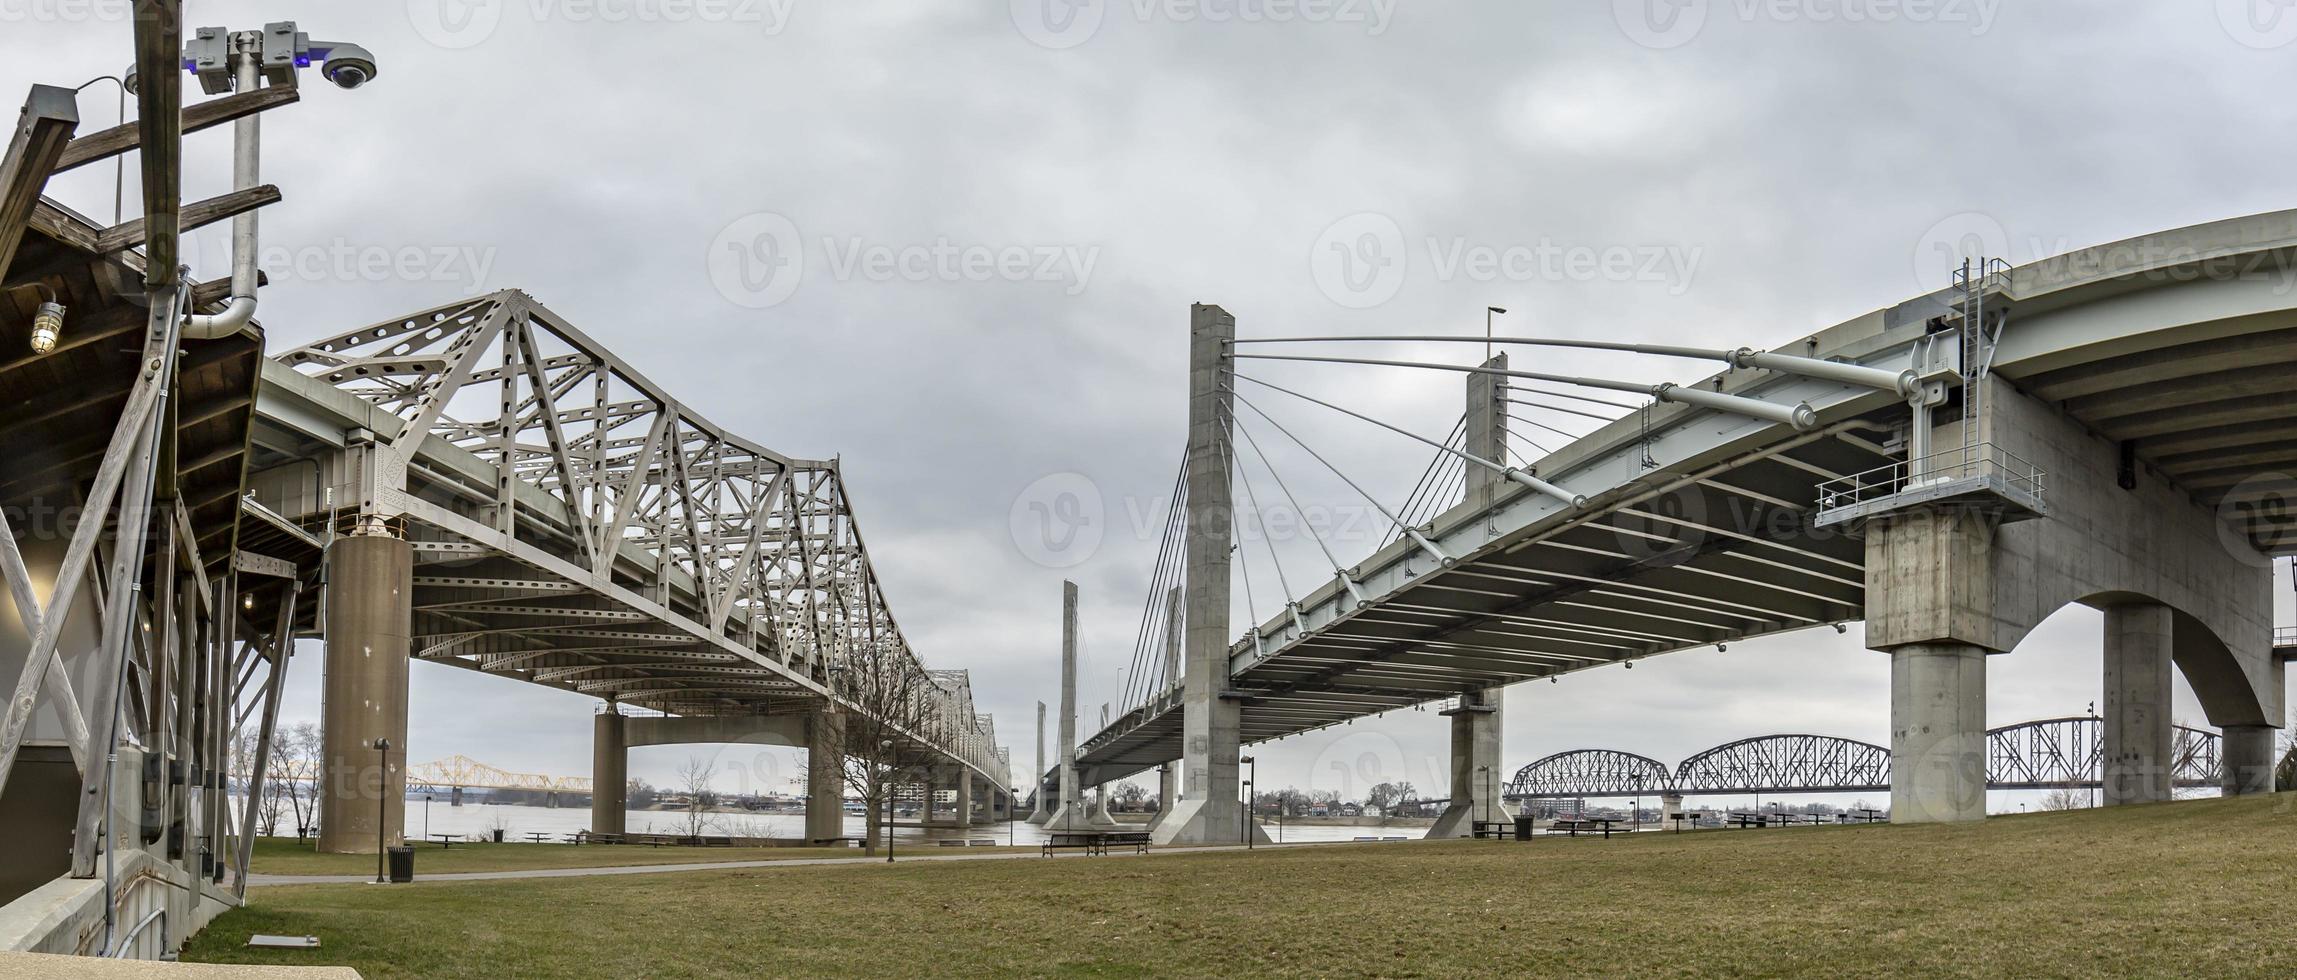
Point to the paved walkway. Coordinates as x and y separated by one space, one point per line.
259 880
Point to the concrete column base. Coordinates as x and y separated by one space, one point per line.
609 773
2135 750
1475 767
2248 760
1937 733
1192 822
825 776
1166 781
370 615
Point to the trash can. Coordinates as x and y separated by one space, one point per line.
1523 828
402 864
498 832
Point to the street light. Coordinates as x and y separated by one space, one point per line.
382 803
1255 771
885 748
1488 311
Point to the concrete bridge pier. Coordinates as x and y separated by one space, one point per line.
825 775
1966 571
1477 721
1208 811
609 772
1165 782
962 781
2135 754
370 615
2246 757
1475 767
1041 809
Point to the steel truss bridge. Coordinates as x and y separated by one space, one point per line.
576 526
2054 753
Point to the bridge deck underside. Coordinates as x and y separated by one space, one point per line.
1728 555
2210 409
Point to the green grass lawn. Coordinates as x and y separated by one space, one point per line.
286 856
2190 888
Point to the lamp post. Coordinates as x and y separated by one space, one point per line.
885 752
1254 770
1488 311
426 815
382 803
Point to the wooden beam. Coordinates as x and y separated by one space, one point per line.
197 214
159 132
120 139
42 131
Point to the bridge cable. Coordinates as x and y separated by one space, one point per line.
1153 610
1508 472
1409 531
1559 408
1430 475
1800 416
1268 542
1355 589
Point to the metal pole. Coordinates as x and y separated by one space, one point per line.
382 803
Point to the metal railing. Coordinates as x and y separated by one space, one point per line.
1983 470
2285 636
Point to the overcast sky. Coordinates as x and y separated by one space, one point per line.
955 243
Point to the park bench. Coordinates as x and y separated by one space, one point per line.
1095 841
1745 820
950 843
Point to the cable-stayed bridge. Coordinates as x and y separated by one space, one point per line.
2104 427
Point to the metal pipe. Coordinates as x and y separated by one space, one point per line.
246 169
1799 415
159 914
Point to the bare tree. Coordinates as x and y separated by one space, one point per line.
2065 799
270 803
1385 797
895 703
694 780
297 753
1130 795
2285 773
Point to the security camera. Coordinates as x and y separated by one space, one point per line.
347 65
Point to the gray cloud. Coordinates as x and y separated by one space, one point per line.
592 164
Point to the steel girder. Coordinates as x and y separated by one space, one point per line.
570 513
2048 754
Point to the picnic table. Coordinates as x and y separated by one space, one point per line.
1590 825
538 836
446 840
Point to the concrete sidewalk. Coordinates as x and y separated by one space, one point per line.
259 880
